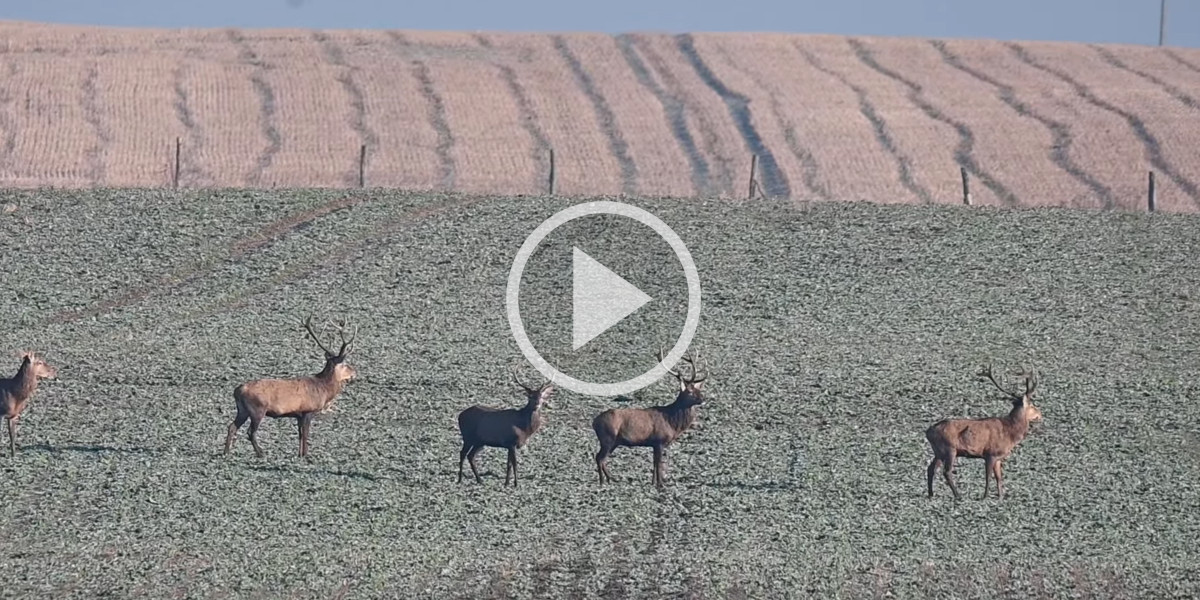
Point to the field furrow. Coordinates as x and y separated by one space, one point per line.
582 152
302 107
349 77
136 119
419 57
224 102
1106 135
1061 182
707 114
812 51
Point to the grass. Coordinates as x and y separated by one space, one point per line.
836 333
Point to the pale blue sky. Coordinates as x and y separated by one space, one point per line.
1122 21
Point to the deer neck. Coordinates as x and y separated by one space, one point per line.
24 383
530 416
679 416
1016 424
327 382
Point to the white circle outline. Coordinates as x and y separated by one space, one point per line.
517 270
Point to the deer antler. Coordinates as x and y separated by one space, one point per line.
663 356
525 387
346 344
313 335
1031 382
693 360
987 372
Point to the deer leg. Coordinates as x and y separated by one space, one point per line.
999 485
512 461
602 463
658 463
255 420
932 472
989 464
946 471
12 436
237 423
471 461
305 429
462 456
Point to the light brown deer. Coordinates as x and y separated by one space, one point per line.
991 438
656 427
508 428
301 398
16 391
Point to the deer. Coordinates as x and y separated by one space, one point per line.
990 438
509 428
656 427
16 391
301 398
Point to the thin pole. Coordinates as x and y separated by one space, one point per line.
753 168
552 171
1151 198
362 165
1162 22
177 151
966 186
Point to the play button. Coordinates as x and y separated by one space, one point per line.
600 298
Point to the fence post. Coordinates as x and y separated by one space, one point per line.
753 168
362 165
966 185
552 171
175 179
1150 198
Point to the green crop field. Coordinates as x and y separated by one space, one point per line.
835 333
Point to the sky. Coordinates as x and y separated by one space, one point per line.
1100 21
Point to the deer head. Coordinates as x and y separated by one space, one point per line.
690 388
39 368
335 362
536 397
1021 401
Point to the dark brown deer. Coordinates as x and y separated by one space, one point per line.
991 438
301 398
16 391
656 427
508 428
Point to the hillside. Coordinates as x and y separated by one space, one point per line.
835 335
880 119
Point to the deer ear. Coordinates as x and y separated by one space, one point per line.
698 385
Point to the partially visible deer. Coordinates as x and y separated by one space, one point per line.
15 392
991 438
508 428
656 427
301 398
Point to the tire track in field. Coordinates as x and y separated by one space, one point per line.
1169 88
605 116
882 134
307 265
529 118
237 250
1152 147
195 137
447 171
774 181
90 101
1060 153
7 123
808 162
673 110
358 105
720 175
1179 59
266 99
964 152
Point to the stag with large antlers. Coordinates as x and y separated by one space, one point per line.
301 398
656 427
991 438
508 428
16 391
